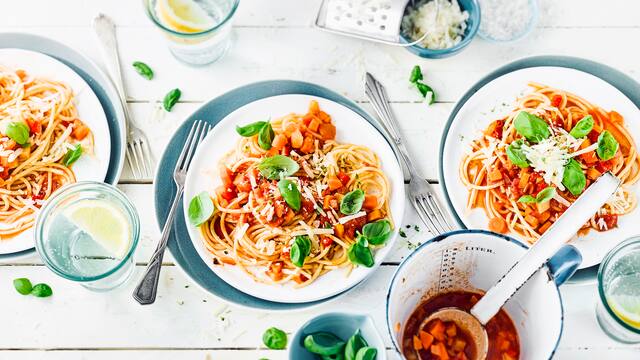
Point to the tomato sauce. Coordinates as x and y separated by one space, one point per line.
503 337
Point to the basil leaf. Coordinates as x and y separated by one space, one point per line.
171 99
143 69
18 132
366 353
574 178
416 74
274 338
516 155
352 202
265 136
72 155
355 343
545 194
41 290
360 255
607 146
582 128
425 90
527 199
300 250
251 129
290 193
323 343
531 127
200 209
277 166
23 286
377 232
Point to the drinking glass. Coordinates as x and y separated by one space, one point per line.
618 311
195 45
72 251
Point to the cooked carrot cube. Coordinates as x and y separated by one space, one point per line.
375 215
495 175
417 344
370 202
307 145
279 141
314 124
324 117
437 329
532 220
615 117
497 224
334 183
440 350
426 339
80 131
339 229
290 128
459 344
452 329
296 139
327 131
314 107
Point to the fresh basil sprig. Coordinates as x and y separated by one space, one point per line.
366 353
274 338
582 128
200 209
516 154
143 69
265 136
607 146
290 193
360 254
573 178
300 249
250 129
416 79
18 132
323 343
41 290
354 344
352 202
277 166
23 286
377 232
544 195
416 74
531 127
72 155
171 99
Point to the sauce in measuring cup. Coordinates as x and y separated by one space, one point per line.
437 340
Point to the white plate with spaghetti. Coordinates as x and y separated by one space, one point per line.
259 250
55 116
492 165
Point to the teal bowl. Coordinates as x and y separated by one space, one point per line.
343 325
473 24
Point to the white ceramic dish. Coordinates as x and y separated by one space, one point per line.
89 166
497 97
351 128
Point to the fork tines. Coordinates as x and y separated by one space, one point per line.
139 158
198 132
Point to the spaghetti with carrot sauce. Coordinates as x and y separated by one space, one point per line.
529 166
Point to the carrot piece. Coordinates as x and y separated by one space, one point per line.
440 350
334 183
370 202
437 329
327 131
615 117
314 124
497 224
590 157
426 339
452 329
324 116
495 175
225 175
279 141
314 107
417 344
532 220
339 229
593 173
291 128
296 139
307 145
459 344
80 131
375 215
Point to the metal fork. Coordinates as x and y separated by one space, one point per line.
145 292
421 193
138 154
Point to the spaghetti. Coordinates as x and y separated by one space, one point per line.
524 173
40 137
260 226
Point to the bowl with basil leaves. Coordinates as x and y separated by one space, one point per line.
338 336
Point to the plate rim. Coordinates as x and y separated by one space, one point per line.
272 87
601 71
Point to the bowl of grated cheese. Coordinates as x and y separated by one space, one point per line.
449 25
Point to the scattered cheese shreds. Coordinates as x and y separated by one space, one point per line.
346 219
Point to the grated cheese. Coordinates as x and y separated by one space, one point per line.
346 219
602 225
444 26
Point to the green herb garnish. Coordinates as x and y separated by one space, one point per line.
171 99
531 127
352 202
300 250
516 154
72 155
416 79
200 209
354 344
607 146
41 290
544 195
23 286
360 254
274 338
265 136
277 166
377 232
323 343
250 129
290 193
582 127
573 178
143 69
18 132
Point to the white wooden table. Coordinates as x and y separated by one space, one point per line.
274 39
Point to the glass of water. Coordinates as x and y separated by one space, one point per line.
88 232
197 31
618 310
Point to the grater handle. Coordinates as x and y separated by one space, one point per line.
549 243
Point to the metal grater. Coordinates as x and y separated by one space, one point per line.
375 20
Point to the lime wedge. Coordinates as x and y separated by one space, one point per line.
627 308
185 16
105 223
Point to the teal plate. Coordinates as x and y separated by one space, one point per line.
180 244
616 78
99 83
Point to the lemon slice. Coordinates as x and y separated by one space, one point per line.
627 307
105 223
185 16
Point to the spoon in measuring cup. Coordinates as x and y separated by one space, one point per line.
549 243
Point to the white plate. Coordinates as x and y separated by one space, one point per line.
351 128
88 167
498 96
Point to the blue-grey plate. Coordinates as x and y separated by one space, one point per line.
180 245
99 83
617 79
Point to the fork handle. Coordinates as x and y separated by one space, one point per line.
145 292
377 94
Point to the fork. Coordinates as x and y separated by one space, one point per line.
145 292
138 154
421 194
